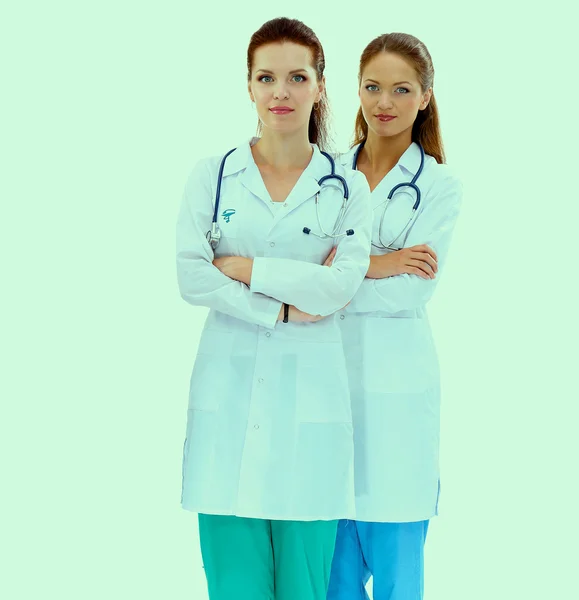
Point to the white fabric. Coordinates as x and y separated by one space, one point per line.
269 429
392 362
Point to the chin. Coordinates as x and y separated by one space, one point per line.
385 131
282 127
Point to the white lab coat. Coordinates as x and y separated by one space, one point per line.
392 361
269 427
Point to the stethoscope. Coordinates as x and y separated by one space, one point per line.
410 184
214 235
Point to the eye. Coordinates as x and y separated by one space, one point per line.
301 78
368 87
404 90
264 77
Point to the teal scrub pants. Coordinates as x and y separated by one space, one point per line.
258 559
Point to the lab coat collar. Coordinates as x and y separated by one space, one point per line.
306 186
409 161
238 160
346 158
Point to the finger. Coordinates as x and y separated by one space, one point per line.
430 260
330 257
419 272
426 267
426 257
425 248
422 266
330 260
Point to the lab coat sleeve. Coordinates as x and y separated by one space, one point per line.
434 227
200 282
314 288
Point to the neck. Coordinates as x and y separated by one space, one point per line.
283 152
381 154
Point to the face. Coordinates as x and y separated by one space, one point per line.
284 86
391 95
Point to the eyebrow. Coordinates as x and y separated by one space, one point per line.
271 72
397 83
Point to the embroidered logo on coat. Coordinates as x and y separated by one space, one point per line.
227 214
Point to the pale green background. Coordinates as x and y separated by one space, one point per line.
105 110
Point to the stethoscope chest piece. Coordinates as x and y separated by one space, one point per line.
214 235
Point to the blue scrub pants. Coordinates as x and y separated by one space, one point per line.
393 553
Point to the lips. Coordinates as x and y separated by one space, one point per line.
281 110
385 118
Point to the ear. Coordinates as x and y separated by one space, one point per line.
426 99
250 92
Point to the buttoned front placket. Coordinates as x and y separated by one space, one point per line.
255 457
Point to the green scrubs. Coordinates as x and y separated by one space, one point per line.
258 559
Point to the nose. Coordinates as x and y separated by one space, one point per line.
385 101
280 92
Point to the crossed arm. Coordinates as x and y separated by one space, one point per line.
418 260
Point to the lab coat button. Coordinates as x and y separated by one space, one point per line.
342 317
260 380
267 334
256 426
272 244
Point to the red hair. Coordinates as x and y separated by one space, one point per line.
283 29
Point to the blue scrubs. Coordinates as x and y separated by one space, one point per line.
393 553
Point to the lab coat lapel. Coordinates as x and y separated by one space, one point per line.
305 188
252 180
403 172
307 185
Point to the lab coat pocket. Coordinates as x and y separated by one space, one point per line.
210 378
228 222
322 386
399 356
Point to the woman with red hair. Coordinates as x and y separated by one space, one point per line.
268 455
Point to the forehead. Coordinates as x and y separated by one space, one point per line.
282 57
389 67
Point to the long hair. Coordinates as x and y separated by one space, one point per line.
426 128
283 29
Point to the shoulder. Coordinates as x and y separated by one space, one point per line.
441 180
346 158
204 166
210 164
344 168
440 173
206 170
356 180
